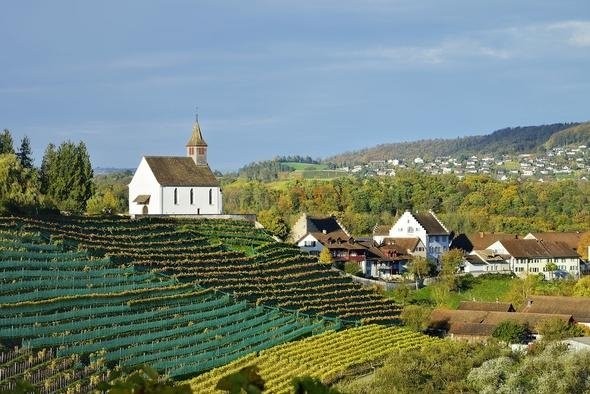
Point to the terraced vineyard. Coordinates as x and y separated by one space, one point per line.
49 373
80 305
326 356
231 256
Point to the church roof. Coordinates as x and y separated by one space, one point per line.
196 137
180 171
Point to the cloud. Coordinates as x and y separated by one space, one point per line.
576 33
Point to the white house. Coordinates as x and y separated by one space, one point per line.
531 256
425 226
479 262
172 185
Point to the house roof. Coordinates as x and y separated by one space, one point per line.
328 224
196 137
578 307
337 240
471 329
572 239
445 318
381 229
180 171
486 306
404 244
479 240
430 223
532 248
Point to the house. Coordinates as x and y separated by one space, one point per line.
571 239
314 233
531 256
578 307
480 324
425 226
485 262
478 240
171 185
383 261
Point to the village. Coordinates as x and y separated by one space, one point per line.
555 163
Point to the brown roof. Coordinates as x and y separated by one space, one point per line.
471 329
381 229
572 239
142 199
479 241
430 223
404 244
445 318
180 171
196 137
578 307
532 248
486 306
337 240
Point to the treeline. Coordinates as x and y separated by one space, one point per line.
63 182
474 203
269 170
513 140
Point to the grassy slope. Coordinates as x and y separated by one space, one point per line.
577 135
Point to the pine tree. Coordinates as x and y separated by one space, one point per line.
24 153
6 144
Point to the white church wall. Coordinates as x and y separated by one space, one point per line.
144 182
200 203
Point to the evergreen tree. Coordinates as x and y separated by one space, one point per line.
6 144
24 153
67 176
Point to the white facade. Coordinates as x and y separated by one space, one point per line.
408 226
310 244
144 183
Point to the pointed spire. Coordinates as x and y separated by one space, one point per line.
196 136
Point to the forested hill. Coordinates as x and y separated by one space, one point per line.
513 140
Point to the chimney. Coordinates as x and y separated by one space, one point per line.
529 303
324 231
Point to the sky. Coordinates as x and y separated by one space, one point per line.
285 77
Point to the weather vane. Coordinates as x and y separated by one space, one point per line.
197 113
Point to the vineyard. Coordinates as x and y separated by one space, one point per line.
326 356
69 304
228 255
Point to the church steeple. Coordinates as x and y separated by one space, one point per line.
196 147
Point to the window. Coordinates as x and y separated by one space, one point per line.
201 150
192 197
309 244
210 196
410 229
175 196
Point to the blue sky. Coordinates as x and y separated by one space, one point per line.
285 77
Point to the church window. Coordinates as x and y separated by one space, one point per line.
210 196
192 197
175 196
201 150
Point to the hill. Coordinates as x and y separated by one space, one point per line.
576 135
512 140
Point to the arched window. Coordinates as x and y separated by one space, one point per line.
192 197
210 196
175 196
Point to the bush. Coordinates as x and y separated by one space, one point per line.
416 317
554 329
511 332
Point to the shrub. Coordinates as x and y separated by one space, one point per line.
511 332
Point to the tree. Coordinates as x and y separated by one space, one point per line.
246 380
450 262
67 176
19 187
419 267
416 317
511 332
325 256
272 220
142 379
582 287
522 289
309 385
24 153
551 268
6 144
554 329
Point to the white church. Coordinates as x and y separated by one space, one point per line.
176 185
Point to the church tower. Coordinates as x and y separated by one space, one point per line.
196 147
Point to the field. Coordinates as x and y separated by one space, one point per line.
80 296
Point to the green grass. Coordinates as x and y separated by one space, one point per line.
305 166
479 289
